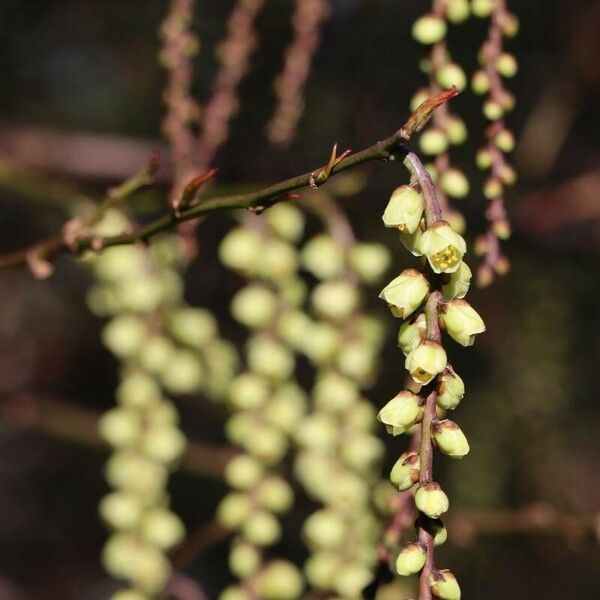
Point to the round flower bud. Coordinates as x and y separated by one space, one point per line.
286 221
505 141
162 528
286 407
443 247
121 510
244 559
456 130
120 427
418 99
362 452
405 472
241 249
136 474
431 500
480 82
356 361
333 392
192 326
243 472
183 374
156 354
235 592
458 286
492 110
292 327
278 261
482 8
335 300
143 294
451 75
248 391
124 335
450 439
119 263
163 443
318 431
321 568
433 142
506 65
412 334
117 553
275 494
405 293
456 220
443 585
233 510
510 25
321 343
450 390
269 358
268 444
457 10
412 241
462 322
454 183
426 361
369 261
484 159
294 292
401 412
325 529
440 533
254 306
429 29
280 580
261 528
411 559
322 257
351 579
404 209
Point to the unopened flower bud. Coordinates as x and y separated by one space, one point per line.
235 592
244 559
321 568
458 286
401 412
286 221
412 334
233 510
507 174
261 528
456 130
405 472
429 29
243 472
492 188
248 391
411 559
275 494
457 10
405 293
192 326
443 585
369 261
163 443
485 276
450 439
443 247
502 265
462 322
492 110
431 500
120 427
454 183
279 260
323 257
269 358
510 25
482 8
501 228
404 209
121 510
451 75
440 533
254 306
484 159
480 82
162 528
335 300
426 361
450 390
505 141
433 142
506 65
325 529
280 580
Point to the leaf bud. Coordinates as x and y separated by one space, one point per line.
451 389
323 257
405 293
444 585
404 209
458 284
261 528
411 559
405 472
426 361
454 183
431 500
254 306
450 439
401 412
418 98
443 247
369 261
462 322
433 142
412 334
429 29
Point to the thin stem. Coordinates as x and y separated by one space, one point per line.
433 212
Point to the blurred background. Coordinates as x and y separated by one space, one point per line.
80 103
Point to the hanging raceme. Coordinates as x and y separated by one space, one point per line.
266 402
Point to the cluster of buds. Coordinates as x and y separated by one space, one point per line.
430 302
446 129
266 401
496 64
339 454
141 290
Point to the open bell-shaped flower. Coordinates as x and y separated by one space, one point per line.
405 292
404 209
431 500
426 361
462 322
401 412
458 285
443 247
443 585
450 439
451 389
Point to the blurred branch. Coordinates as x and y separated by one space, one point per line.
72 423
198 541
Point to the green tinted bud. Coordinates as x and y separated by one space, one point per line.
451 75
121 510
113 222
450 390
163 443
404 209
156 354
505 141
456 220
450 439
248 391
192 326
506 65
117 554
431 500
321 343
356 361
235 592
507 174
411 559
510 25
142 295
325 529
292 327
405 293
293 292
269 358
502 230
362 452
335 300
261 528
119 263
454 183
412 241
370 330
286 407
323 257
457 10
443 247
480 82
482 8
351 579
138 390
286 221
243 472
444 585
275 494
163 413
456 130
134 473
462 322
429 29
321 568
244 559
317 431
162 528
484 159
254 306
426 361
280 580
241 249
120 427
440 533
412 334
492 110
405 472
401 412
458 286
369 261
334 392
266 443
124 335
279 260
433 142
233 510
184 374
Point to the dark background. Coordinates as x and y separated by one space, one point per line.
532 406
